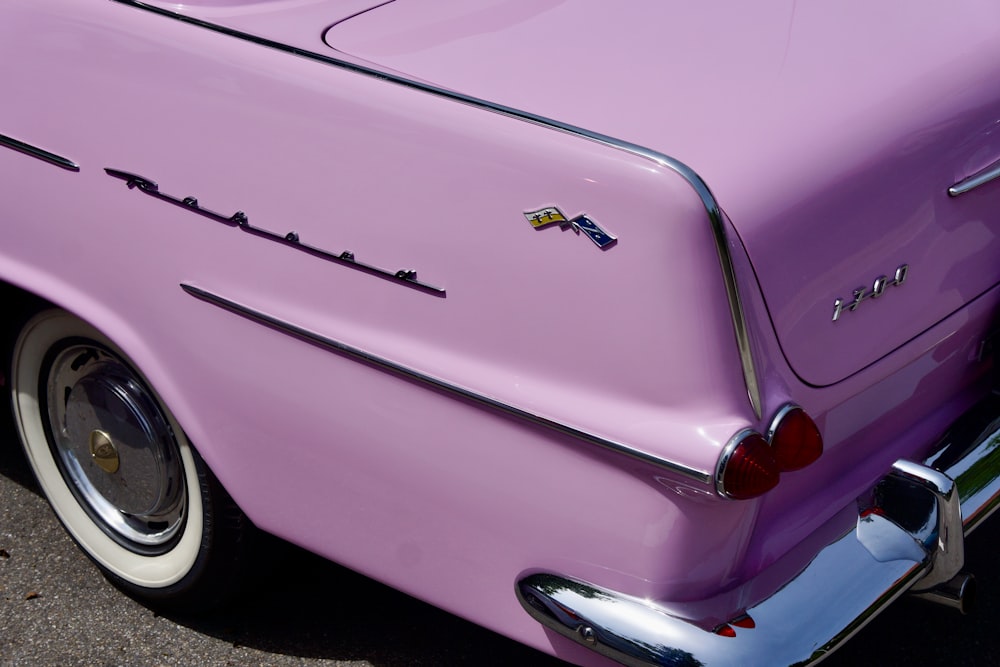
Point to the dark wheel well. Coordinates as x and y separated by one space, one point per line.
18 306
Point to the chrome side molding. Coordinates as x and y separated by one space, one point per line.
972 182
40 153
389 366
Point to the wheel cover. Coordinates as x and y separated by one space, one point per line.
113 446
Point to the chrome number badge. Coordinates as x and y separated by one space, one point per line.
877 289
581 223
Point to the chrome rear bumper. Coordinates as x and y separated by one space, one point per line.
909 537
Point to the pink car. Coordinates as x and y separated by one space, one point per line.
653 331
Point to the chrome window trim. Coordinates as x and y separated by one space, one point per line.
395 368
40 153
736 309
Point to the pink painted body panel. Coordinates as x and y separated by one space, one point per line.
825 134
434 494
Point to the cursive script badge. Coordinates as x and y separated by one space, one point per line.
550 215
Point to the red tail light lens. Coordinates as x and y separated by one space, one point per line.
795 439
749 469
724 631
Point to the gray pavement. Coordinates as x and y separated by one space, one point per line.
56 609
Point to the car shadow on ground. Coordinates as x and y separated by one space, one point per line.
312 608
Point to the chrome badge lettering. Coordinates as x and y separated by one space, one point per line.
582 223
877 289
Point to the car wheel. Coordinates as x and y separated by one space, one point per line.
117 468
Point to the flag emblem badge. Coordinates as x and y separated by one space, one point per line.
550 215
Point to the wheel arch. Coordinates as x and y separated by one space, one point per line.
25 297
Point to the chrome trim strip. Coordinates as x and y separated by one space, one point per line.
41 154
384 364
736 309
972 182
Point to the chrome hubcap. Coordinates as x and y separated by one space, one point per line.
114 446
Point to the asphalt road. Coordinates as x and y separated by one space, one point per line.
55 609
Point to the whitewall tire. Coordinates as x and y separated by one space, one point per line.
117 468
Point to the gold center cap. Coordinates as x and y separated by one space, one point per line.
102 450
